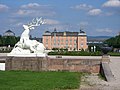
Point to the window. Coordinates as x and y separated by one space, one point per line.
70 41
75 45
66 41
81 44
58 44
54 44
62 40
58 41
54 41
74 41
46 40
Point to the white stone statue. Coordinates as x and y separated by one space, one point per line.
26 47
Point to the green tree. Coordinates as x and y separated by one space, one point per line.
9 40
114 41
1 43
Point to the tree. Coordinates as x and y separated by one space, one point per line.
114 41
1 40
9 40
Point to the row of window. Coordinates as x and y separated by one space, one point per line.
62 41
66 45
60 37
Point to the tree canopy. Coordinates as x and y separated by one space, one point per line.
8 40
114 41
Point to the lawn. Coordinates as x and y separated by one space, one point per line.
27 80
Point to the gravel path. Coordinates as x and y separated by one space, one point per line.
94 82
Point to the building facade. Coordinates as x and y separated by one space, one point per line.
65 40
9 33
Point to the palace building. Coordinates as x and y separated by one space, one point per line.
9 33
65 40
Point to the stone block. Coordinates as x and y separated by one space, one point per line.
106 58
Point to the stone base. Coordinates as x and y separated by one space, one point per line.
26 63
106 58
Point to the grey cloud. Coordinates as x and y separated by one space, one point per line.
3 7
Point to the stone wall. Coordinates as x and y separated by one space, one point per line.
53 64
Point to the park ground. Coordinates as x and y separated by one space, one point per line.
93 81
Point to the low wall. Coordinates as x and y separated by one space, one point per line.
53 64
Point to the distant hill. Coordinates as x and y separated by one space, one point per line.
98 37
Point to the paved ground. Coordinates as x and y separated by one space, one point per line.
93 82
81 57
115 68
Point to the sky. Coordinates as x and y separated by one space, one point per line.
95 17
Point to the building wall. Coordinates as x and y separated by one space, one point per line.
82 42
47 41
69 42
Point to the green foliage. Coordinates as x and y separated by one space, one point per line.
60 50
82 53
114 41
76 53
26 80
114 53
8 40
0 40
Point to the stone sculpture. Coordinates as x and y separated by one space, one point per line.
26 47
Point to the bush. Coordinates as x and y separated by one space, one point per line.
114 53
76 53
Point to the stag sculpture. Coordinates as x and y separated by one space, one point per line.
27 46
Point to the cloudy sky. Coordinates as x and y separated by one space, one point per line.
96 17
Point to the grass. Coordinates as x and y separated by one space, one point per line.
27 80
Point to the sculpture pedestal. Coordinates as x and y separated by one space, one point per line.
26 63
106 58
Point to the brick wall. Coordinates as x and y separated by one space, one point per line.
53 64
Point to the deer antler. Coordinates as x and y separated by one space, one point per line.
36 22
